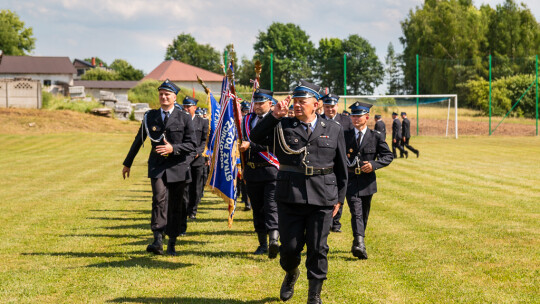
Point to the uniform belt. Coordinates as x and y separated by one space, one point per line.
356 170
308 170
253 165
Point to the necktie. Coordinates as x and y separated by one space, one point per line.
166 118
359 139
308 128
259 118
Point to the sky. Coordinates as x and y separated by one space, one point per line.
139 31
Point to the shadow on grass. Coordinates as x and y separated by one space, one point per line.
179 242
144 225
117 236
190 300
118 218
144 262
223 219
122 210
220 232
149 261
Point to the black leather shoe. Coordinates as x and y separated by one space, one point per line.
247 207
171 250
263 249
273 248
287 287
417 154
406 154
336 229
182 234
314 293
193 217
157 246
359 248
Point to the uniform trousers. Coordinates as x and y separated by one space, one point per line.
265 213
336 224
406 144
193 192
398 145
359 207
168 206
303 224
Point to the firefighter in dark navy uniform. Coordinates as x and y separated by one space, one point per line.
379 125
406 134
260 175
172 137
193 191
330 106
367 151
396 137
240 182
311 184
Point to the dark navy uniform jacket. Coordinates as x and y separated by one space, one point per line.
180 134
257 169
325 149
396 129
344 120
406 129
201 134
381 127
373 149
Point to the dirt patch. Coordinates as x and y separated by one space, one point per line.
32 121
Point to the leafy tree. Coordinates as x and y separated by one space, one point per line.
329 64
447 30
184 48
126 71
99 62
15 38
364 69
393 72
292 50
100 74
246 72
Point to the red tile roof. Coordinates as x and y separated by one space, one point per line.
175 70
36 65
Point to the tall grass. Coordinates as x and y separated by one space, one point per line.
59 102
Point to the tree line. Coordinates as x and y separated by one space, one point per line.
453 39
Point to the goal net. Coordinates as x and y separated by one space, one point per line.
428 114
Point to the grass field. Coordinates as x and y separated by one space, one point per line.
460 224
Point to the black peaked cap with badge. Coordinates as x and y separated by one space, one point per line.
330 99
306 89
360 108
168 85
189 101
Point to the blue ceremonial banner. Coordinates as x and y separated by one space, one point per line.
223 167
213 109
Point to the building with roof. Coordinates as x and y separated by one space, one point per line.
185 75
93 87
55 73
82 66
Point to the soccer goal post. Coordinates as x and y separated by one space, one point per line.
408 101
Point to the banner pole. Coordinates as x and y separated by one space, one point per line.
490 94
417 93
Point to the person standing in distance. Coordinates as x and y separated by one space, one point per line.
380 126
311 184
396 137
367 151
260 175
172 137
406 134
330 107
193 191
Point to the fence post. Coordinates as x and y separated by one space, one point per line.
272 72
345 79
536 95
417 93
490 94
